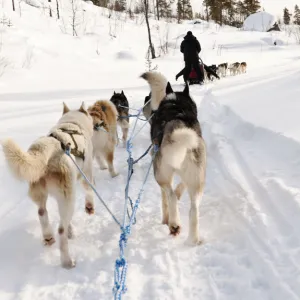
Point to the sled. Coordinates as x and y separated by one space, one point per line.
193 79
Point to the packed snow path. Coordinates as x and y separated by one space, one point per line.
249 213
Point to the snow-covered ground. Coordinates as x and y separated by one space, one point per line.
251 206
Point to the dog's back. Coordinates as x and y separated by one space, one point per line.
35 163
222 69
174 114
211 72
225 65
174 120
235 68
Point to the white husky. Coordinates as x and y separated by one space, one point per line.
48 170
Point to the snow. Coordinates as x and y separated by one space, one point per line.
260 21
250 210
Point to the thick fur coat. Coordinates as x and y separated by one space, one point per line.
48 170
175 129
104 114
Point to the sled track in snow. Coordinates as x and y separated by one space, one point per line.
266 227
248 221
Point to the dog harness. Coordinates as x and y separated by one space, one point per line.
71 133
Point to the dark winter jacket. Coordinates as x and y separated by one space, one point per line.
190 47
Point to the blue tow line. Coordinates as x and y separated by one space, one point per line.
121 263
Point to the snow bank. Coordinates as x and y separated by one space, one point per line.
260 21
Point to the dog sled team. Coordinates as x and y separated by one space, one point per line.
91 134
195 72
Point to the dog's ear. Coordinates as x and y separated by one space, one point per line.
66 108
186 90
169 89
83 109
114 92
122 93
103 107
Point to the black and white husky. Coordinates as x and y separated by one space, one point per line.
175 129
121 103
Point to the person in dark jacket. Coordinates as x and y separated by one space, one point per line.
190 47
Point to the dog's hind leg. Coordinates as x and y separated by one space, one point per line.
117 138
164 177
165 207
89 194
194 177
39 195
109 155
101 161
125 134
195 196
174 219
180 189
89 198
66 209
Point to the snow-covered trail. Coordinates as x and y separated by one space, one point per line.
249 213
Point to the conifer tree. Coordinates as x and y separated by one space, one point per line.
184 10
297 15
286 16
251 6
163 8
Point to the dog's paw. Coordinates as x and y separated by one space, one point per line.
68 264
195 241
174 229
114 174
89 208
48 241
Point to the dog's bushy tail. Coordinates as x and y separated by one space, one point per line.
158 83
107 107
29 166
182 140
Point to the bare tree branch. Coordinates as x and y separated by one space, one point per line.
146 13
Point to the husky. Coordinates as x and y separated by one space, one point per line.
222 69
211 72
175 129
235 68
243 67
104 114
121 103
48 170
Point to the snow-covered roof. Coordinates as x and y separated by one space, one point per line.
260 21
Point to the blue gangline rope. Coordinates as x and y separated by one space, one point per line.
121 263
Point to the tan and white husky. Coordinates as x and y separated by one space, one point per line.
48 170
